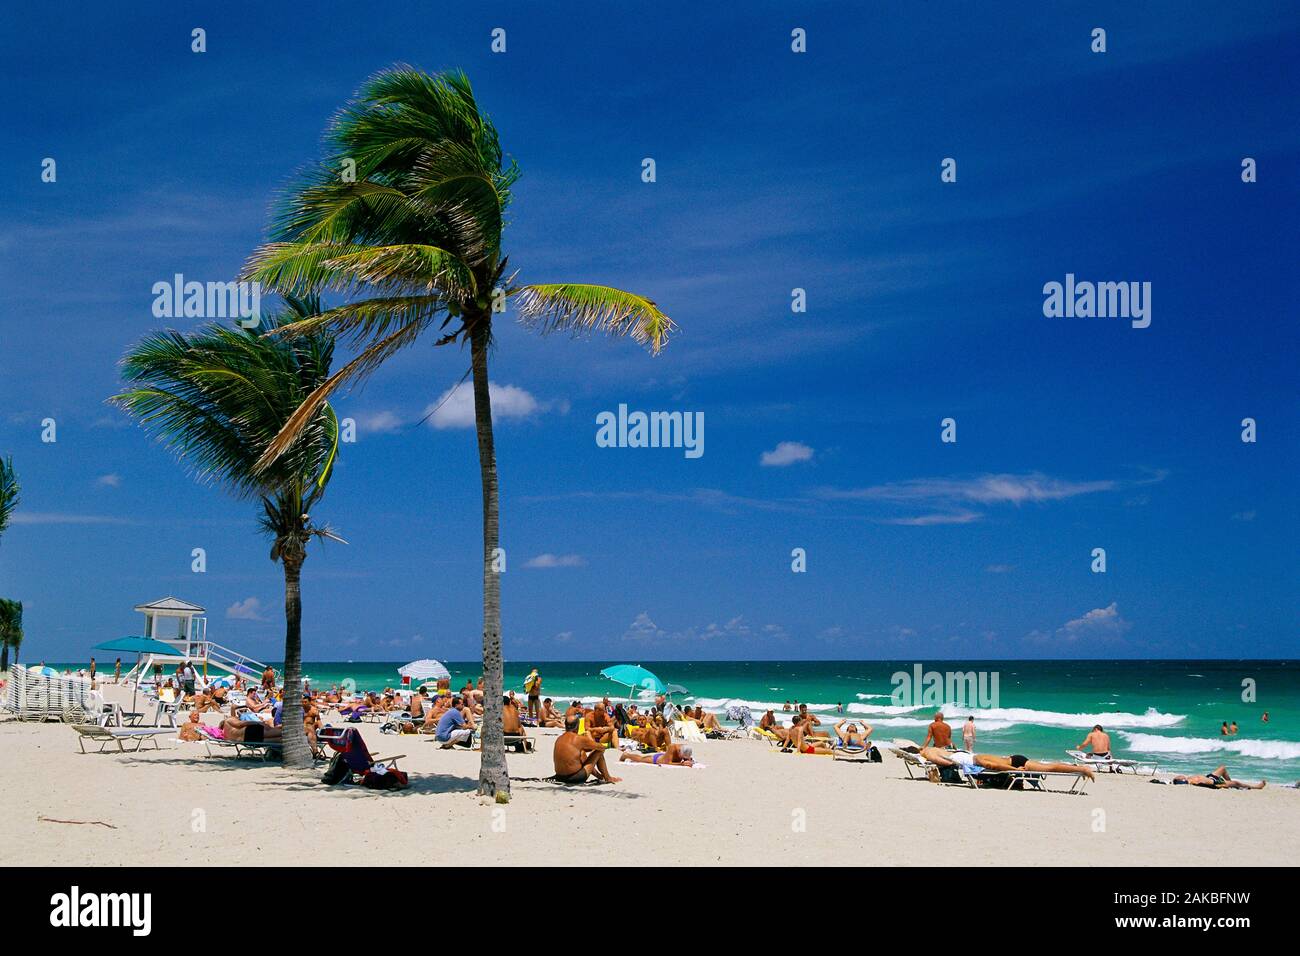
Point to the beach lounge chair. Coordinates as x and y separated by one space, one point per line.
1112 764
121 736
688 730
863 754
960 776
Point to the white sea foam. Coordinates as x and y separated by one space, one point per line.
1023 715
1260 749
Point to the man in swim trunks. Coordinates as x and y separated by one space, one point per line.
599 725
675 756
533 685
550 717
1218 780
939 733
1099 741
1001 764
802 741
578 757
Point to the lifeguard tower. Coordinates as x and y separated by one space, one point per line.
180 624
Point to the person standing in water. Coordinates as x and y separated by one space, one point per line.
968 733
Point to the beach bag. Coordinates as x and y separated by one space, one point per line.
873 755
390 779
336 772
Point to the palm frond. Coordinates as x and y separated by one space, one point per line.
363 365
9 492
594 308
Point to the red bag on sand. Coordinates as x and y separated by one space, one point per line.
391 779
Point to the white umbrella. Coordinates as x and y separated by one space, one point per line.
426 669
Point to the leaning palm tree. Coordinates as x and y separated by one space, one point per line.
404 220
9 489
218 398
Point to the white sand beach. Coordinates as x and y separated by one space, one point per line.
748 805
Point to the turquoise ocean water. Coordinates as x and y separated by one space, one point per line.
1165 711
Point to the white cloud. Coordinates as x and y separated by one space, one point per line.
555 561
925 521
785 453
1244 516
57 517
1099 622
982 489
109 481
999 568
455 407
382 422
249 609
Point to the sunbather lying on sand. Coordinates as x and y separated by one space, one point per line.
1218 779
579 757
953 758
675 756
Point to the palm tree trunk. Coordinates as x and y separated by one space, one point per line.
4 656
493 775
297 753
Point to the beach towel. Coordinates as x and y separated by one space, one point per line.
352 747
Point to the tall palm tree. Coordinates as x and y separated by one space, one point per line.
11 612
218 398
404 220
11 631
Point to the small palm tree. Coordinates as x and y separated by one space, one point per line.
405 219
9 489
11 631
218 398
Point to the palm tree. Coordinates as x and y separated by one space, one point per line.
218 398
11 631
9 489
404 220
11 612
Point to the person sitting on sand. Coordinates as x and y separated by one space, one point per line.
675 756
456 726
255 703
800 740
511 725
851 737
1218 779
769 723
600 726
1099 741
578 757
550 717
939 733
952 758
708 722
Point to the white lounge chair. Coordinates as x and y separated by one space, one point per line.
1112 764
120 736
839 752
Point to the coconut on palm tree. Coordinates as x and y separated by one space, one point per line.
218 398
404 221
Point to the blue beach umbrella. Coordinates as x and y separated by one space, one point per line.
634 677
43 671
139 646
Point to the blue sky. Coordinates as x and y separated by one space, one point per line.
775 170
